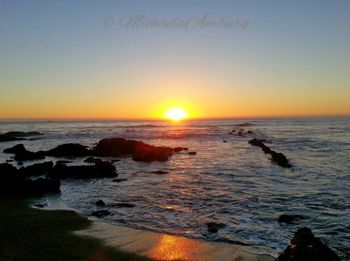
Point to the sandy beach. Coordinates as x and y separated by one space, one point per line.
159 246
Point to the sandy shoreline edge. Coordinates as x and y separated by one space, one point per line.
161 246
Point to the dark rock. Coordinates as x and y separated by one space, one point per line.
140 151
101 213
119 180
39 205
38 169
249 132
92 160
123 205
280 159
178 149
69 150
224 141
22 133
16 184
17 149
20 163
16 135
306 247
289 219
214 227
276 157
100 203
21 153
159 172
114 147
192 153
241 134
99 170
149 153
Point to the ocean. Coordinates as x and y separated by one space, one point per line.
228 182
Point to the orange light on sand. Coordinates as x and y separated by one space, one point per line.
176 114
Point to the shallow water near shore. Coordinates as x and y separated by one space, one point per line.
226 182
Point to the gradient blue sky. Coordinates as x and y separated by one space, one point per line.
73 59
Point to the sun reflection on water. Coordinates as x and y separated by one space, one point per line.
174 248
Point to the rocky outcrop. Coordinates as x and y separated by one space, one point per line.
306 247
38 169
214 227
22 154
99 170
139 151
14 183
69 150
276 157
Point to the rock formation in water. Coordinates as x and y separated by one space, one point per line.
304 246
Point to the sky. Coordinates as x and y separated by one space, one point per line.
136 59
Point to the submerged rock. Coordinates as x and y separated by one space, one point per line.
179 149
123 205
159 172
101 213
119 180
99 170
17 135
277 157
214 227
192 153
304 246
289 219
69 150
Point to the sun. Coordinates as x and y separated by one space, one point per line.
176 114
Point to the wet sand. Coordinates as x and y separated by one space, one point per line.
160 246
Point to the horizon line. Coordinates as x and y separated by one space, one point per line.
187 119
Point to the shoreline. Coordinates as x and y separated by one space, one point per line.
161 246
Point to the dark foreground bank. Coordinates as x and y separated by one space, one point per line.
34 234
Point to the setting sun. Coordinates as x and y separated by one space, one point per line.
176 114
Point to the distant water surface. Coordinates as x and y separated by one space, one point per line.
232 183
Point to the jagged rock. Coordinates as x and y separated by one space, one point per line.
306 247
69 150
21 153
38 169
289 219
99 170
214 227
278 158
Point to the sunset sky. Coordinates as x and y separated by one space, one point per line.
89 59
